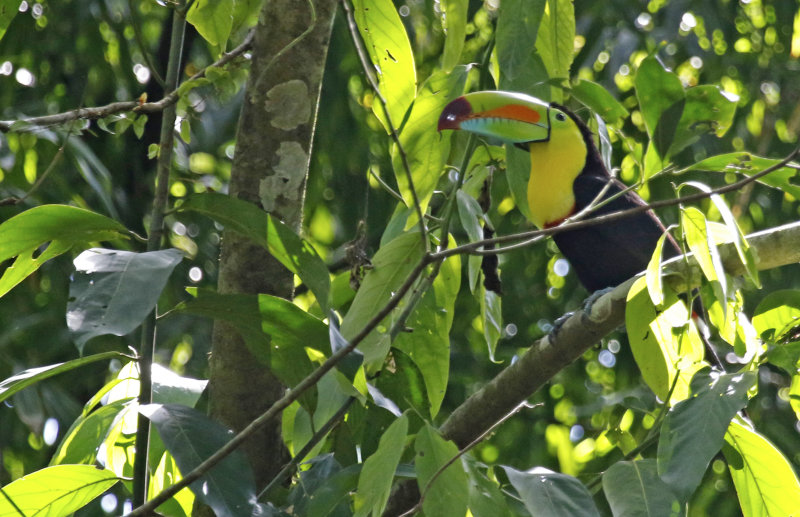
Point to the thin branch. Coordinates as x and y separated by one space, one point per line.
472 247
332 422
365 65
281 404
460 453
137 34
156 230
97 112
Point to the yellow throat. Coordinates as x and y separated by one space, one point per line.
554 166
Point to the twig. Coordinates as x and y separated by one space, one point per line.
97 112
137 34
364 59
286 400
460 453
148 338
472 248
332 422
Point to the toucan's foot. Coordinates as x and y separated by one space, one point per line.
589 303
559 322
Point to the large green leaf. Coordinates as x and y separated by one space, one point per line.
748 164
294 252
633 489
693 430
389 50
701 242
59 225
275 330
517 28
213 19
391 265
445 494
764 479
664 342
22 380
485 497
556 41
54 491
87 433
661 96
112 291
454 16
428 344
708 109
375 481
191 437
8 10
550 494
599 100
425 148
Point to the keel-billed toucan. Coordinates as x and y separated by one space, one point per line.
567 174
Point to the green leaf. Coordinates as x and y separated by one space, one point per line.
171 388
708 109
599 100
428 344
59 490
191 437
470 215
112 291
8 10
323 487
389 50
425 148
746 254
664 135
22 380
87 434
653 274
213 19
454 21
295 253
60 225
166 475
550 494
701 242
777 314
517 28
764 479
556 41
748 164
485 497
633 489
694 429
375 481
391 265
275 330
445 494
664 342
491 319
657 90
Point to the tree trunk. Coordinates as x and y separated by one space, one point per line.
273 146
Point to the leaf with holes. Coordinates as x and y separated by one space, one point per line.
113 291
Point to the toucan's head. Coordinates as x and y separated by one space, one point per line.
508 117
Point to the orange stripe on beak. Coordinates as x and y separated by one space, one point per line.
511 112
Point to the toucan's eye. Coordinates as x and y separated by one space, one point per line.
561 117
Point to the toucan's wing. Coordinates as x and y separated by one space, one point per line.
608 254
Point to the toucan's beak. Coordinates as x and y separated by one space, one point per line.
508 117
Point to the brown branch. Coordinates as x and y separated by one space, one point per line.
98 112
